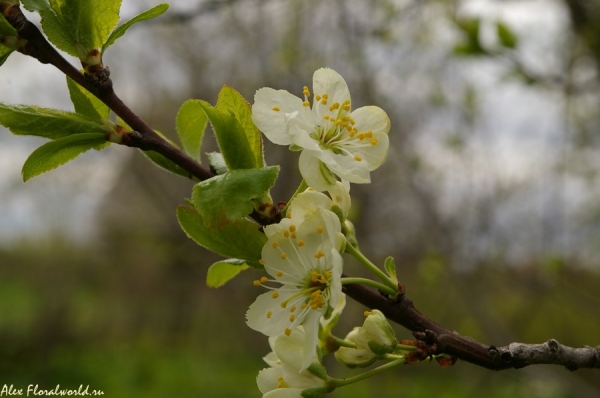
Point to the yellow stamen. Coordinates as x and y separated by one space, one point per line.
264 279
276 108
374 141
318 98
324 101
367 313
283 256
275 245
275 295
300 243
269 314
346 107
279 274
305 103
305 91
319 254
357 158
370 134
326 96
287 331
256 283
292 228
286 234
292 318
320 229
292 308
261 261
326 117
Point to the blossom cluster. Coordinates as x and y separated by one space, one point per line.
302 256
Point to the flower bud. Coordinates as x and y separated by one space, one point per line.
355 357
377 334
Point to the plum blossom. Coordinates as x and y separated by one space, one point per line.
334 140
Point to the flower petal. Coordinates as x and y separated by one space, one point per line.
327 81
371 118
267 379
273 122
315 173
347 167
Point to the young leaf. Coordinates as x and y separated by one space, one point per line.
48 123
6 29
165 163
225 198
231 137
69 23
390 268
506 36
56 153
4 54
191 123
223 271
148 14
86 103
233 101
241 239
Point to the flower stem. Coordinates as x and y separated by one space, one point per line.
367 374
368 282
372 267
341 342
301 188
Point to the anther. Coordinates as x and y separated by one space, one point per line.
286 234
305 103
357 158
374 141
292 318
275 245
300 243
276 108
320 229
287 331
269 314
275 295
292 228
279 274
261 261
319 254
292 308
256 282
367 313
283 256
264 279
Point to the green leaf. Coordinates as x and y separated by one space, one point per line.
6 29
231 137
86 103
68 23
226 198
471 46
36 5
165 163
241 239
390 268
4 54
191 123
148 14
48 123
233 101
505 35
223 271
162 161
55 153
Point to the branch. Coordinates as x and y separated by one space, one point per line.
100 85
515 355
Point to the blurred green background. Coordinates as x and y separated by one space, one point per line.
488 200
